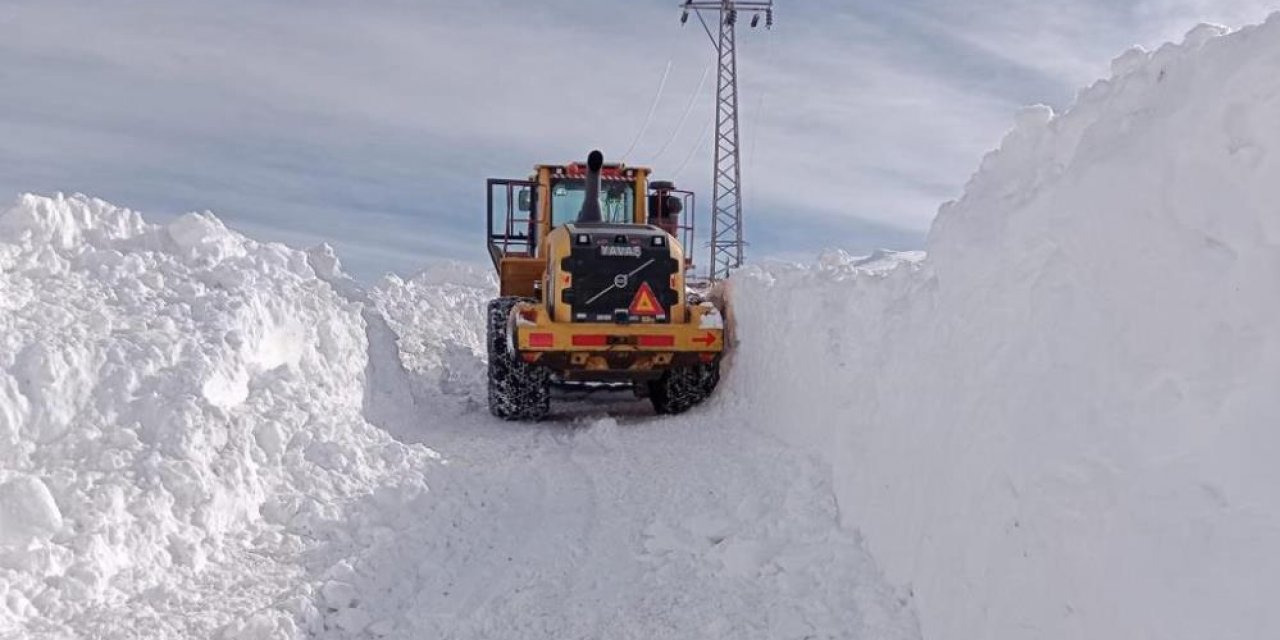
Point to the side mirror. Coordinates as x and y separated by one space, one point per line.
525 200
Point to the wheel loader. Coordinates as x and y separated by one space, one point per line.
592 273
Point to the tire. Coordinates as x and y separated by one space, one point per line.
517 390
681 388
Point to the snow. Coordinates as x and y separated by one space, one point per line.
180 405
1060 424
1057 423
207 436
627 528
27 511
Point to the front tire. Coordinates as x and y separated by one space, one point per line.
517 390
681 388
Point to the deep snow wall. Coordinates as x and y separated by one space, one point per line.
1062 423
182 416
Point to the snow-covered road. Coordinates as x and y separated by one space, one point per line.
633 527
603 521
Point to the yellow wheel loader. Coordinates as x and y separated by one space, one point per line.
591 267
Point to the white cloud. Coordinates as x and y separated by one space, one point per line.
375 123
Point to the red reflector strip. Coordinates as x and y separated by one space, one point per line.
656 341
591 341
541 339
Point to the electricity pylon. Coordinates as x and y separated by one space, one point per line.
726 193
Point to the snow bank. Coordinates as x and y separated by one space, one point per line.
179 406
439 318
1062 423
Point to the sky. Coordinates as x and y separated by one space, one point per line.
372 125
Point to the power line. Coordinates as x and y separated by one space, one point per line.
652 108
756 116
697 146
693 99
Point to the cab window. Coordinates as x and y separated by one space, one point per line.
617 200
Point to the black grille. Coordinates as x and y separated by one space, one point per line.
610 270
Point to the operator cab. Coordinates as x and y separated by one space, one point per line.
617 200
522 213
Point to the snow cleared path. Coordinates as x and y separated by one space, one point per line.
604 521
631 528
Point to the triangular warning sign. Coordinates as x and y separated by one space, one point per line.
645 303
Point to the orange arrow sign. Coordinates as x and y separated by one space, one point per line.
707 340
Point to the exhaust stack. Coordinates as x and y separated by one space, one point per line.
590 211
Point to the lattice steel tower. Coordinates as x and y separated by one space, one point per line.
726 193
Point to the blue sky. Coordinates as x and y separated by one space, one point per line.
372 125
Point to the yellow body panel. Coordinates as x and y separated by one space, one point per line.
517 276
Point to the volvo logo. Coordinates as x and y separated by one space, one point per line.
620 280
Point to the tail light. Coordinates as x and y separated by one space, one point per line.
591 341
656 341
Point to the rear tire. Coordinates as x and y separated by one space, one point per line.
681 388
517 390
